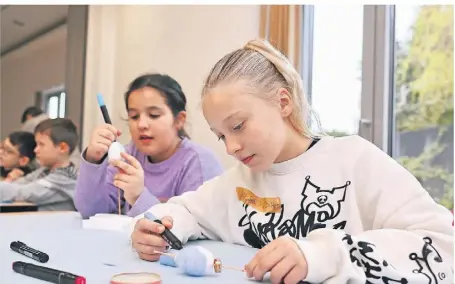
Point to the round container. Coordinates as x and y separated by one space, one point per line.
136 278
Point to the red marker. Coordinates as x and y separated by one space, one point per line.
47 274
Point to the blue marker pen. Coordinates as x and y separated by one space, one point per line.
116 148
103 108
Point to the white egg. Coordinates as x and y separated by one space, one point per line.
114 151
209 259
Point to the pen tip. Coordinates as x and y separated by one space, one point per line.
100 99
149 216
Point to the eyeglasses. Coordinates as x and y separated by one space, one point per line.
10 151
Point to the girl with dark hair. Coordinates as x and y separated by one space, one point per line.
161 160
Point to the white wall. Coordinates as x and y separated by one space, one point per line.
37 66
182 41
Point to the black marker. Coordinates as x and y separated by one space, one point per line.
103 108
23 249
47 274
167 235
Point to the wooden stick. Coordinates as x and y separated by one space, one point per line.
233 268
119 202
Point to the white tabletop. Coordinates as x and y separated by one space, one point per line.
97 255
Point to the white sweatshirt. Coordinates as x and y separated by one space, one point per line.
357 215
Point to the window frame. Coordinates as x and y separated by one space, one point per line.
376 122
46 95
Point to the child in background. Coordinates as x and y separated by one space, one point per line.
50 187
17 155
32 116
319 209
161 160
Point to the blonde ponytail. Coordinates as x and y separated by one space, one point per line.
268 69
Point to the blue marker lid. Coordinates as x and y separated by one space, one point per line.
150 216
100 100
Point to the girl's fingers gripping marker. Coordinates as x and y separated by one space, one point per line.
167 235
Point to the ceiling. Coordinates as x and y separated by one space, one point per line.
23 23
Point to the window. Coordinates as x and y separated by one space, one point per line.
55 105
423 98
53 102
386 73
336 86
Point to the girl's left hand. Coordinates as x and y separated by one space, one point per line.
130 177
281 257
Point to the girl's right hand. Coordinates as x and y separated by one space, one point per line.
101 139
146 239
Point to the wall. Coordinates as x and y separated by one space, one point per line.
36 66
75 63
182 41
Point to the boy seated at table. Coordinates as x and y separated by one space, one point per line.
50 187
17 155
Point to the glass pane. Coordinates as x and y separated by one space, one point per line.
423 105
52 107
62 104
337 67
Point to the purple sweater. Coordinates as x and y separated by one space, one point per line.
186 170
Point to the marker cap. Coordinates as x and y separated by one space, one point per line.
100 100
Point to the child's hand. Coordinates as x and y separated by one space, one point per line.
284 260
14 175
101 139
146 238
130 178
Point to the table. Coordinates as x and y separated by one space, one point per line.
17 207
95 254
